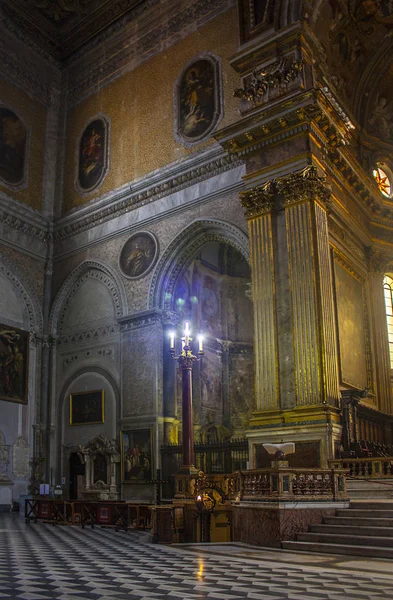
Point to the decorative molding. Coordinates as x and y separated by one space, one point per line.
342 234
259 200
94 334
176 257
151 188
146 318
26 291
84 271
377 262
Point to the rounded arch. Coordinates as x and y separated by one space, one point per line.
184 248
20 283
71 285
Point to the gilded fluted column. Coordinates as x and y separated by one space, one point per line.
376 274
259 203
314 338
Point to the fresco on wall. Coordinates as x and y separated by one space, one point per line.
138 255
14 358
197 102
13 139
92 155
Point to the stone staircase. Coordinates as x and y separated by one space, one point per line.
363 529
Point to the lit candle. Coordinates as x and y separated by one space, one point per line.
187 333
172 340
200 339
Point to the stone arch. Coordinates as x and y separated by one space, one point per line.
87 269
25 290
183 249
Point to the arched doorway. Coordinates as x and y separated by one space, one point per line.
77 476
213 292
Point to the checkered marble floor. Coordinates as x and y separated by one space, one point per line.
40 561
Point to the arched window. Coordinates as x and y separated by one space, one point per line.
388 293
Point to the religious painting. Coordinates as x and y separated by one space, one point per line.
13 142
198 101
92 161
138 255
136 454
87 407
182 301
14 364
351 326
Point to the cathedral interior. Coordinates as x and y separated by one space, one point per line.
222 164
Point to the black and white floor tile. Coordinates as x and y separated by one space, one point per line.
39 562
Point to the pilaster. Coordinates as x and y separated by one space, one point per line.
259 203
315 350
376 268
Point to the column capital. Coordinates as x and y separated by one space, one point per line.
259 200
308 184
377 262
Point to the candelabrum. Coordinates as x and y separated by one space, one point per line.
186 360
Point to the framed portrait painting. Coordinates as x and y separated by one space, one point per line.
136 454
92 155
14 364
138 255
13 147
198 99
87 407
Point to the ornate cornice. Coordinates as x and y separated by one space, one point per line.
259 200
88 335
303 186
146 318
148 190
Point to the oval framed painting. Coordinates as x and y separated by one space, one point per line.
13 148
92 154
198 99
138 255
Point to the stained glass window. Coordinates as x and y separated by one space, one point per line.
388 293
383 182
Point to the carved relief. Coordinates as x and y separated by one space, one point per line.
306 185
20 458
259 200
270 81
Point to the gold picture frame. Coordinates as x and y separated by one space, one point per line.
87 408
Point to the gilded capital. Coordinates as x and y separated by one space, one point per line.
259 200
305 185
377 262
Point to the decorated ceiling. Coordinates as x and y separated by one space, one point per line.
62 26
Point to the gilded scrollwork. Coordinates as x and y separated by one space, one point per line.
306 185
259 199
279 73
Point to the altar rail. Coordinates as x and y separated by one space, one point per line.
119 515
289 484
378 467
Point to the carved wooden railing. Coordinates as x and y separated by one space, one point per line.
378 467
290 484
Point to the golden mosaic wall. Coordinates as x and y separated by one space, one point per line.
34 116
140 106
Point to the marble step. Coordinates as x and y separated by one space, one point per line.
364 513
350 540
348 549
369 505
358 521
351 529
